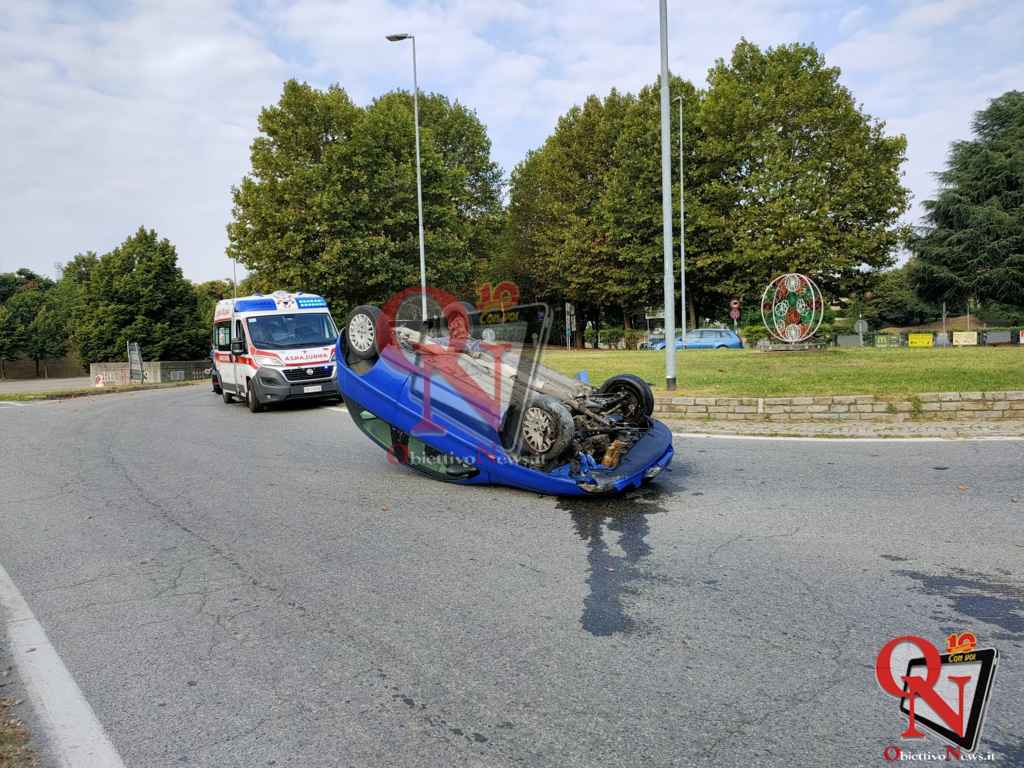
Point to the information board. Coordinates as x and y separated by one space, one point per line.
920 340
965 338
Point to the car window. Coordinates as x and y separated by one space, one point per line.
222 336
292 331
406 449
378 430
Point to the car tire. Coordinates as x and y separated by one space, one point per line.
361 332
545 429
226 396
721 346
252 398
639 390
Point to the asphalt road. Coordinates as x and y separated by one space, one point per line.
231 589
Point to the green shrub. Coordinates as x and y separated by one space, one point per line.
611 336
633 337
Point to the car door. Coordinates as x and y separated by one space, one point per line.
222 354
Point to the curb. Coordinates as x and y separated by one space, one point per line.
919 408
24 397
941 430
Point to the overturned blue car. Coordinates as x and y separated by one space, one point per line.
464 399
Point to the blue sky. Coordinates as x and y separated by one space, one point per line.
118 114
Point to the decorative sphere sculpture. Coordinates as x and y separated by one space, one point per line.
792 308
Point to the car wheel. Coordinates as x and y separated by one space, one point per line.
361 332
640 400
546 428
721 346
252 398
226 396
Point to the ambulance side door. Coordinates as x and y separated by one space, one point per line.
222 353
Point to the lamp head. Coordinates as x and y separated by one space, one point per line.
399 36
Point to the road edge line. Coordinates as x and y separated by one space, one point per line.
853 439
75 734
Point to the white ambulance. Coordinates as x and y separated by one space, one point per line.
268 349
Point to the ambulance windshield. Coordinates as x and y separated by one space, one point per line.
292 331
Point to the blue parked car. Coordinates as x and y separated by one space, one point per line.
474 407
702 338
710 338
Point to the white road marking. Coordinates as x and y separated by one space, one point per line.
830 439
77 736
12 404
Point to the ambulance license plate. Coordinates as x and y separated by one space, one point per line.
317 388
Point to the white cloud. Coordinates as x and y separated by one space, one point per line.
927 69
143 114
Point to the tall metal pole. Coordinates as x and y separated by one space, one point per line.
682 226
419 182
666 206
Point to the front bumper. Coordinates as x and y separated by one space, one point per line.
272 387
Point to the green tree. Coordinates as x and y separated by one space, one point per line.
556 232
973 247
329 204
798 178
22 308
891 300
22 279
137 293
8 340
46 337
207 296
631 206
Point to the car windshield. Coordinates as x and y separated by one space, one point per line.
292 331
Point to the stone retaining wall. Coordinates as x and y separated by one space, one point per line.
156 372
929 405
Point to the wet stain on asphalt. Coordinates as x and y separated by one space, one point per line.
978 595
894 558
613 577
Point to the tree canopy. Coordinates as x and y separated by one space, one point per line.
798 178
973 245
137 293
784 172
330 200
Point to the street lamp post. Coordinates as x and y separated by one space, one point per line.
682 226
419 184
666 206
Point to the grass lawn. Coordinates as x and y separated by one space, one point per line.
14 751
880 372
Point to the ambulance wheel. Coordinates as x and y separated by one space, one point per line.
361 332
227 396
252 398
